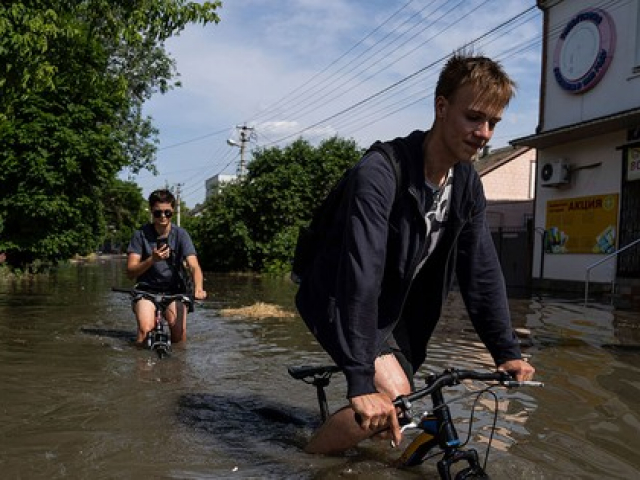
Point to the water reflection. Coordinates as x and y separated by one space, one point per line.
78 400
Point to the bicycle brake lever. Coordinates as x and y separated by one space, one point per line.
411 422
406 426
408 423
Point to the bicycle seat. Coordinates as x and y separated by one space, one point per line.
303 371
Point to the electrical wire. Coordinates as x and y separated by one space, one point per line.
355 116
283 101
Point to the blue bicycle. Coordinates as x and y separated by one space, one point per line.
438 436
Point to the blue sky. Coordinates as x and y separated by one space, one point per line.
361 69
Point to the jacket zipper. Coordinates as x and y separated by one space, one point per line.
414 264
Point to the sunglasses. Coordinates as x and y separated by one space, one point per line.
166 213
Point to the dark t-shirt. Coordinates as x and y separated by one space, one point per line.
162 276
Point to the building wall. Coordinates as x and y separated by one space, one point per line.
213 184
509 214
618 89
599 180
596 162
511 181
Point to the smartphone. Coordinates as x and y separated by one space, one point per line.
161 242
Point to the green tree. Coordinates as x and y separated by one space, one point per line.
253 224
221 235
74 76
125 211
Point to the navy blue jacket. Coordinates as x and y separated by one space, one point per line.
361 288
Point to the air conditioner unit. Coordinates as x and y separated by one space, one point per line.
555 173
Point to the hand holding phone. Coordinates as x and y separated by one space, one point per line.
161 243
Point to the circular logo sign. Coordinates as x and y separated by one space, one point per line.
584 50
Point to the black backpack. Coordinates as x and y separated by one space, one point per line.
183 273
311 237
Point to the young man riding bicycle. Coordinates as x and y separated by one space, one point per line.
154 259
373 298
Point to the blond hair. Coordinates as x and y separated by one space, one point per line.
491 83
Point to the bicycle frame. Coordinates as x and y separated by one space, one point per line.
158 339
438 430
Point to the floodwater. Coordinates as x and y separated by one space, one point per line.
77 400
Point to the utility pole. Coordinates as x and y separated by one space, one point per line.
178 185
245 136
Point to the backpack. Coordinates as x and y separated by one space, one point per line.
311 237
183 272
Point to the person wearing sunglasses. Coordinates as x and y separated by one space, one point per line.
156 257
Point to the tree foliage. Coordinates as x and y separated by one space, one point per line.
125 211
74 76
253 224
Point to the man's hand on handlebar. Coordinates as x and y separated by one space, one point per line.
375 412
520 369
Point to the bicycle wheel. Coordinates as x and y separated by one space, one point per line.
162 352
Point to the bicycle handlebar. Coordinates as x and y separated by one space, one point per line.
452 377
156 297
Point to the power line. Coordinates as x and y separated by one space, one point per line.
283 101
354 65
513 51
348 118
382 101
341 89
192 140
401 81
387 102
398 83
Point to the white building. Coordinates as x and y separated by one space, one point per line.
587 202
215 183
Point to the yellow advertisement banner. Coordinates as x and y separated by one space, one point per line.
582 224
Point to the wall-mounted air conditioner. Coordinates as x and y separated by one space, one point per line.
555 173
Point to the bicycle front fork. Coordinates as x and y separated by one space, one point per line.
158 339
474 470
450 444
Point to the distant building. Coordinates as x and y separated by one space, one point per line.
215 183
508 178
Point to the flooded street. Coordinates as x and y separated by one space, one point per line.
77 400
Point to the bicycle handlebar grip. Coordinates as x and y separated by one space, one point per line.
402 420
358 418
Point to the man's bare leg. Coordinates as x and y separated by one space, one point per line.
176 315
145 318
341 431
